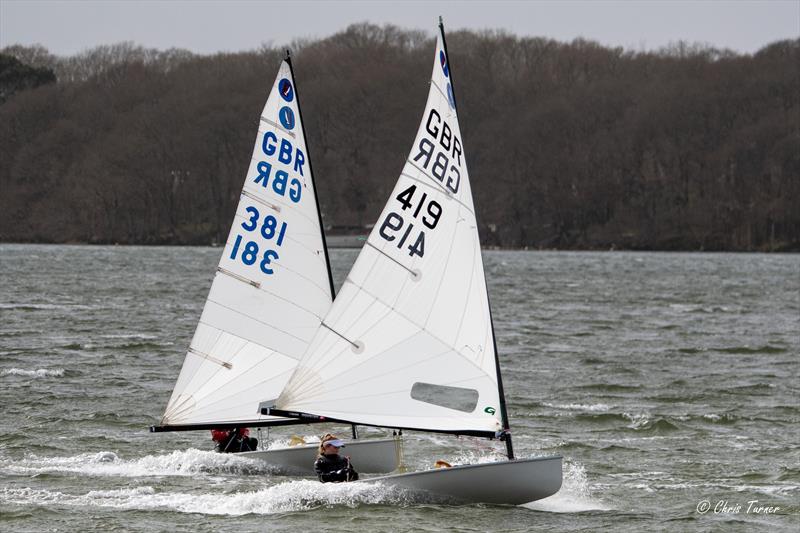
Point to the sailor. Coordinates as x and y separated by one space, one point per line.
330 466
234 441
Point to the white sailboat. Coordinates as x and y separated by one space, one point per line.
409 342
272 287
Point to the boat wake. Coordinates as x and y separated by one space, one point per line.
299 495
575 495
178 463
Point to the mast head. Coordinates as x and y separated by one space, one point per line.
288 55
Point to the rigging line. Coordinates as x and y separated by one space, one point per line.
436 182
211 358
288 212
420 328
191 376
316 230
275 295
286 268
339 302
326 326
337 354
278 126
351 384
255 197
481 374
197 386
270 353
238 277
280 203
303 382
387 256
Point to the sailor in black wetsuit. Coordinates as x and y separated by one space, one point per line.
330 466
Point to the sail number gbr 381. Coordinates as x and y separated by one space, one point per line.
247 247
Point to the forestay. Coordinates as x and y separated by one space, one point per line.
272 286
408 343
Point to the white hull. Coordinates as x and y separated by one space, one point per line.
368 456
508 482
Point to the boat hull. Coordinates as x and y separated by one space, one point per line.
368 456
508 482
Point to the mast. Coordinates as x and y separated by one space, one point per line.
505 435
316 195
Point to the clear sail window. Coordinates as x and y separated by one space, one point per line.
456 398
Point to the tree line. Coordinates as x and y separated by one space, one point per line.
569 145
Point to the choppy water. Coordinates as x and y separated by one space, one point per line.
665 380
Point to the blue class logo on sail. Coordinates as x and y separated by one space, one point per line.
286 90
451 99
443 61
286 116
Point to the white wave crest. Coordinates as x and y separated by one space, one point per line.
575 495
141 336
601 407
295 495
40 373
178 463
638 420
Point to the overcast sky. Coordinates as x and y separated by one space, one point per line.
208 26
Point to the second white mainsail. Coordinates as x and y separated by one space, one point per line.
272 285
408 343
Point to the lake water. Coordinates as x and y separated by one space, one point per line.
668 382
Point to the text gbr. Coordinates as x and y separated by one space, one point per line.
286 154
448 152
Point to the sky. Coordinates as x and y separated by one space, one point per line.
68 27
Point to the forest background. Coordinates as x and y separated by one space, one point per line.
569 145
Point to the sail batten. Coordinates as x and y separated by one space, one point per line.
273 284
409 342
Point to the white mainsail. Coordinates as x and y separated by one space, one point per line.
408 343
272 285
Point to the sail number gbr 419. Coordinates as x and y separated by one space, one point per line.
423 213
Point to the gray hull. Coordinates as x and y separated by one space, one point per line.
368 456
508 482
